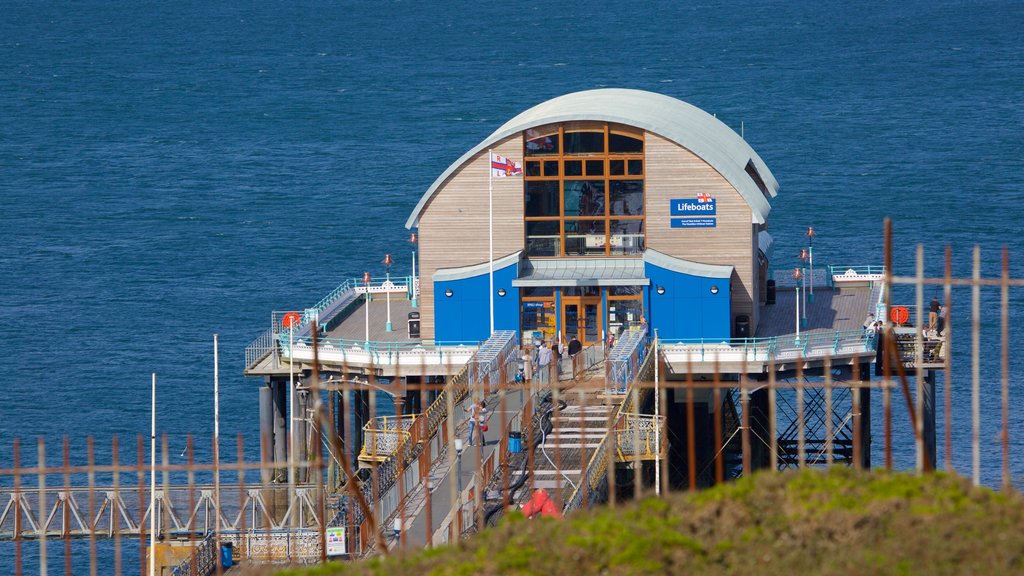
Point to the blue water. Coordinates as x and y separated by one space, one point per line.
171 170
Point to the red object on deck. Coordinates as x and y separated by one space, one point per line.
291 319
541 503
899 315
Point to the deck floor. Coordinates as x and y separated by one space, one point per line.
833 309
354 326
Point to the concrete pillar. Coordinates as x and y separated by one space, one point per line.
266 432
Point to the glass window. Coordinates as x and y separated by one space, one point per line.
617 167
533 168
573 168
635 167
537 291
542 198
584 237
538 145
627 197
584 198
625 290
584 143
581 291
621 144
551 167
542 238
624 313
595 167
627 237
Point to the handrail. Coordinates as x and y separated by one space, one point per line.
775 347
202 560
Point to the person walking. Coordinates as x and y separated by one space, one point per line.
477 416
575 347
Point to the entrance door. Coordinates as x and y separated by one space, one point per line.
581 317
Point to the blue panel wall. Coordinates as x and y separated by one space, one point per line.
465 316
687 310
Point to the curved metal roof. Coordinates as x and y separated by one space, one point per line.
682 123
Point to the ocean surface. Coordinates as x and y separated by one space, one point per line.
172 170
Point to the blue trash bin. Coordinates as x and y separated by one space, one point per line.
515 442
226 550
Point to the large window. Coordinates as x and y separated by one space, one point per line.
584 190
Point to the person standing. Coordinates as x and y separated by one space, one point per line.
477 414
933 313
527 366
557 353
575 347
544 362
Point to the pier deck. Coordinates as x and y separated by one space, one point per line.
353 327
839 308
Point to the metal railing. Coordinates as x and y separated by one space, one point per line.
815 343
637 439
625 359
201 562
265 343
383 436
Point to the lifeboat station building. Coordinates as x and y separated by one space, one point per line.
607 209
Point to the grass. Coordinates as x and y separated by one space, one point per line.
808 522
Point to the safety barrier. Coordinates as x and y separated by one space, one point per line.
383 436
637 438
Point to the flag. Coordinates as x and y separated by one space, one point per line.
703 197
501 167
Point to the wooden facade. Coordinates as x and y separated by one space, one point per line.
674 172
453 228
453 225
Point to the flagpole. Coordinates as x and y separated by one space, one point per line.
490 231
152 481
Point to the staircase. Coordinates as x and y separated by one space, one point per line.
576 431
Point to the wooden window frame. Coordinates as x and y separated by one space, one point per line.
606 157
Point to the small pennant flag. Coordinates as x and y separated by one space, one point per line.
502 167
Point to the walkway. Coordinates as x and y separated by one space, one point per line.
442 482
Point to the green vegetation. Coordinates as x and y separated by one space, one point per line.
811 522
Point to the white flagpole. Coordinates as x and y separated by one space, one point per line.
490 230
657 424
216 445
152 480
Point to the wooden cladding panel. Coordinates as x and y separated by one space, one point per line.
454 225
674 172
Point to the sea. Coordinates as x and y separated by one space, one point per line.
171 171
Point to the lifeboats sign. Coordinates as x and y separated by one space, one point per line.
696 212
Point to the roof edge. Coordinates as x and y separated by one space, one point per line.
461 273
662 260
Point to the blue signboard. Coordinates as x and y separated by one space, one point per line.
702 205
694 222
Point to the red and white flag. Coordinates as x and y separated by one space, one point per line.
502 166
703 197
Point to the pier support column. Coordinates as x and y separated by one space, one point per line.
760 452
865 417
280 398
266 432
928 392
301 434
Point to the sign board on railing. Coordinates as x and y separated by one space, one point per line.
336 542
